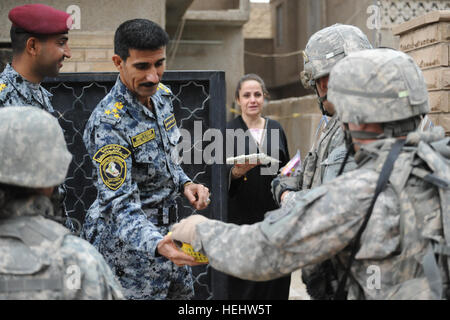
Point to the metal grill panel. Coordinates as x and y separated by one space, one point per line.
199 96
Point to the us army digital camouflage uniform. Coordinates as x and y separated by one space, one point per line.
318 164
324 49
395 256
40 259
17 91
137 182
323 222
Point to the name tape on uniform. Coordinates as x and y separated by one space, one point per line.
169 122
143 137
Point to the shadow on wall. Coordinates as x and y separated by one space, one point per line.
299 118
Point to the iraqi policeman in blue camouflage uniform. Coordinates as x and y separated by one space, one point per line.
131 136
39 44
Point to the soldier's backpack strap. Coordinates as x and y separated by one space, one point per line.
386 170
437 157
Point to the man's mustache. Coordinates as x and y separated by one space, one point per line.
148 84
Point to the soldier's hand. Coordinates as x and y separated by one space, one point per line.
184 230
167 248
198 195
281 184
284 194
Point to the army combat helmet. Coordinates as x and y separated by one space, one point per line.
34 152
328 46
379 86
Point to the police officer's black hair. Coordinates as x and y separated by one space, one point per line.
140 34
19 38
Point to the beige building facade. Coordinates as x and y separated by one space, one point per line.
427 40
278 57
210 37
91 38
204 34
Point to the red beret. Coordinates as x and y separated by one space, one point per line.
40 19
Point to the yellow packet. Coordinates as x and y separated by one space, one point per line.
188 249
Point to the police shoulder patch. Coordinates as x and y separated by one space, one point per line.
113 168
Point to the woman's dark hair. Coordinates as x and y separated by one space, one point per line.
255 77
139 34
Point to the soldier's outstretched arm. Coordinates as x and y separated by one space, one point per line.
320 224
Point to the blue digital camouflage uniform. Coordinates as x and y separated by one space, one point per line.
135 175
17 91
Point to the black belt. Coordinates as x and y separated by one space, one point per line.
172 216
162 219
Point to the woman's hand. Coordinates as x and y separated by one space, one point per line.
239 170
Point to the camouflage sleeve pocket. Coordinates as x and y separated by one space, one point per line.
280 224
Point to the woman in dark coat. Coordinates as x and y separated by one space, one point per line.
250 196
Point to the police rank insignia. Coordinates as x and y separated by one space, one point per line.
113 168
169 122
143 137
2 86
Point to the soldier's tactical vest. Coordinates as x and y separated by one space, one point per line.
313 167
31 266
421 179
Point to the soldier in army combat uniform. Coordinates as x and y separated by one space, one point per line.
323 50
131 137
39 43
380 95
39 258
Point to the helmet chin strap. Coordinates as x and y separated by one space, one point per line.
321 101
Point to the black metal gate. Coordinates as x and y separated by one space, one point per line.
198 96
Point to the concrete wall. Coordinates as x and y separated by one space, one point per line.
214 5
260 65
427 40
259 25
96 16
301 19
213 40
286 69
217 49
299 118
